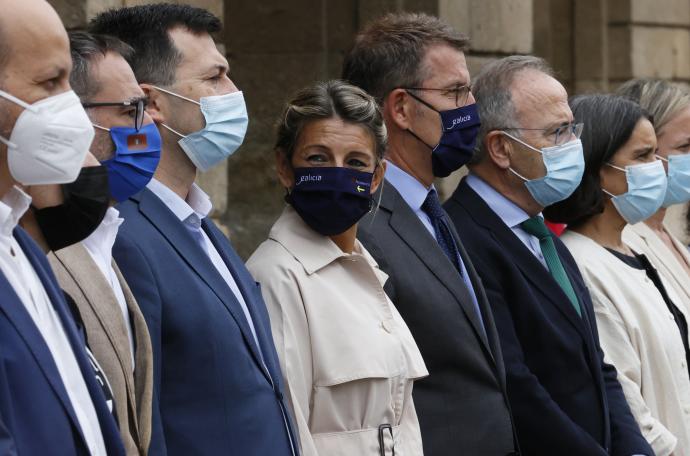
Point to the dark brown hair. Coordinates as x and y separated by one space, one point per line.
388 52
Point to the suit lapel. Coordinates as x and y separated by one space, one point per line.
530 266
411 230
182 241
108 428
244 281
101 298
143 370
26 328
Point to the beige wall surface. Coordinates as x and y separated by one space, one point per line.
277 46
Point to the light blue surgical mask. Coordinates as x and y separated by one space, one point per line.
565 165
678 189
646 191
226 124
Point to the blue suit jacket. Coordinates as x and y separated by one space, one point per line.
36 413
565 399
212 393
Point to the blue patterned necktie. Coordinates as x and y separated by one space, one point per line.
439 220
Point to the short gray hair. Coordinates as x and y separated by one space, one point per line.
325 100
661 99
492 92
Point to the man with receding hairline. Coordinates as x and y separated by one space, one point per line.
414 64
50 401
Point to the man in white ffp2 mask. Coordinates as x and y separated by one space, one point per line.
51 397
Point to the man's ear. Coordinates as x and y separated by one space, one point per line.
379 174
284 169
156 103
398 109
498 148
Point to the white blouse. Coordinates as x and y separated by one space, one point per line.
640 338
347 357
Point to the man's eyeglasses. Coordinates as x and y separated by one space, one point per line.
459 93
139 106
561 135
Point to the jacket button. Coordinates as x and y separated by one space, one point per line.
279 395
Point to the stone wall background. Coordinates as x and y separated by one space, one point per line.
276 47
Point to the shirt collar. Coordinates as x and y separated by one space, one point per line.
12 207
313 250
197 202
101 241
412 191
511 214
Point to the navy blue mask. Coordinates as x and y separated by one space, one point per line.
331 200
456 146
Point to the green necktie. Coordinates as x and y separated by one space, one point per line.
536 227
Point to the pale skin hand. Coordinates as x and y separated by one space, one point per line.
333 143
607 228
540 101
202 72
447 69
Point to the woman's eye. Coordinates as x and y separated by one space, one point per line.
355 163
316 159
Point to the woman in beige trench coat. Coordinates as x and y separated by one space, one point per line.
348 359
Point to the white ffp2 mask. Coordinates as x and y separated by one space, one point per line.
49 140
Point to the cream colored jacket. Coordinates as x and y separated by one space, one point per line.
347 357
642 239
641 339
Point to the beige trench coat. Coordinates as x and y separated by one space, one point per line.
640 338
347 357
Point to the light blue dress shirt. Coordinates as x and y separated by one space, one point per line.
414 194
509 212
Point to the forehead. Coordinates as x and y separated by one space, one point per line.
642 137
115 79
539 99
443 66
678 128
37 39
336 134
199 52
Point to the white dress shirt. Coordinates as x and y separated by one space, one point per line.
191 212
100 247
26 283
509 212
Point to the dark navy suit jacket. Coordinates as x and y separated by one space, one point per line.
212 392
566 401
36 415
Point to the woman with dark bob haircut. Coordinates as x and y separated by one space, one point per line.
642 331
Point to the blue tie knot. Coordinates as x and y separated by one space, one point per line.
432 206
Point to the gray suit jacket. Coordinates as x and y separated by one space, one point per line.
462 405
81 278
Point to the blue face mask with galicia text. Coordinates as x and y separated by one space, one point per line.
565 165
646 191
460 127
226 124
678 189
331 199
137 154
